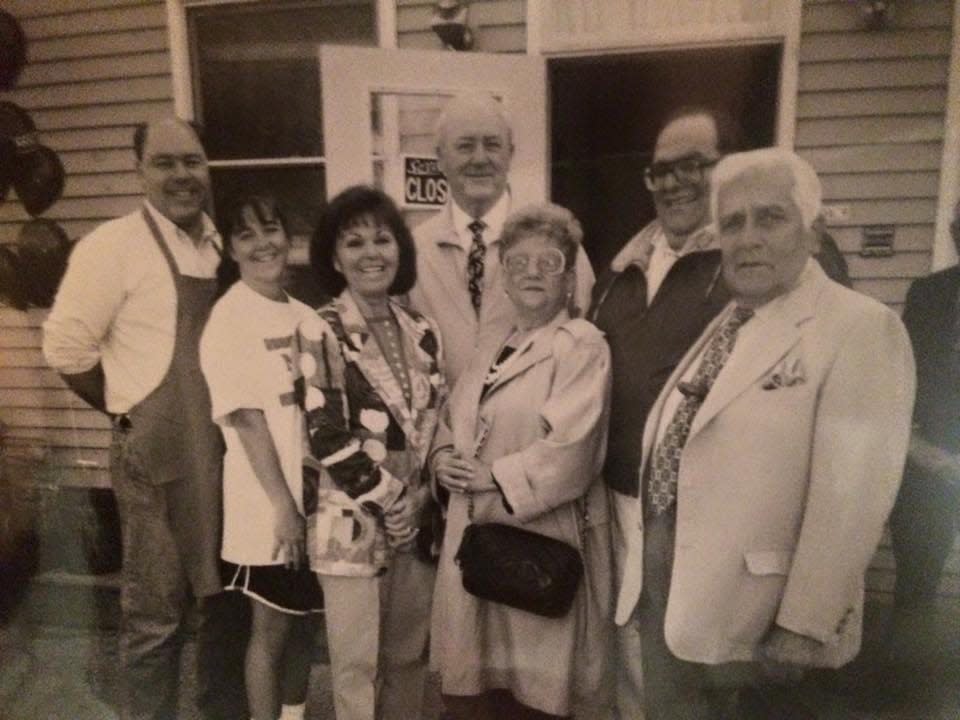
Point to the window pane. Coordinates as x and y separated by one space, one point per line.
258 87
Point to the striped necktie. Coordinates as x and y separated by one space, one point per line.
475 264
665 464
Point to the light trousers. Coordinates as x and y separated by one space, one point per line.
377 632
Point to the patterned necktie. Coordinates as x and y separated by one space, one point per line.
475 264
665 467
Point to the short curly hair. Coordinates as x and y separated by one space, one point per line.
342 212
547 220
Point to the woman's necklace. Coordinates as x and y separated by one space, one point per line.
514 341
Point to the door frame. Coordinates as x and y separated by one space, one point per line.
784 32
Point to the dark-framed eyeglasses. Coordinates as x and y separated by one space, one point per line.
549 262
685 171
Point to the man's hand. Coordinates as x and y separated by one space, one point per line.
289 531
784 654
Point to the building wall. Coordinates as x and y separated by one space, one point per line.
95 69
870 117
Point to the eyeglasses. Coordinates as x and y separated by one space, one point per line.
685 171
550 262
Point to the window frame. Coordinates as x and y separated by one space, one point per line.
181 67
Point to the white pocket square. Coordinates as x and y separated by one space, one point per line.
788 373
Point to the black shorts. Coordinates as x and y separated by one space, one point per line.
296 592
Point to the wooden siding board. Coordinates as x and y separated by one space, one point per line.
96 20
846 17
869 130
94 93
875 158
896 43
24 9
907 73
122 66
907 238
59 437
86 46
886 185
886 290
897 266
74 208
89 138
103 115
103 185
68 418
50 398
866 103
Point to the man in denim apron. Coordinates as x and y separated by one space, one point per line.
124 334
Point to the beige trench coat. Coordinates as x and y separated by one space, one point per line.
542 426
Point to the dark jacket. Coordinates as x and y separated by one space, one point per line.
646 343
932 317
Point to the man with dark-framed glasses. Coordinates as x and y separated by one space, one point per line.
659 293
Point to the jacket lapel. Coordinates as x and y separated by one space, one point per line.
445 270
536 348
769 340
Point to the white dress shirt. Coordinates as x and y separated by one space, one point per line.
117 304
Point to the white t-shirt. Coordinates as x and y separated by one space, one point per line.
245 355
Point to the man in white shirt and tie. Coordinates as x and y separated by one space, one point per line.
459 281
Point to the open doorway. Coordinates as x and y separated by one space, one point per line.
605 112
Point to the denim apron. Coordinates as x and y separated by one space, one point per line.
173 440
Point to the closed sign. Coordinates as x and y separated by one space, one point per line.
423 183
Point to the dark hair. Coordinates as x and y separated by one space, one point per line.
342 212
265 209
728 133
140 135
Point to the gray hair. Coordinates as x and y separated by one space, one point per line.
547 220
806 192
470 100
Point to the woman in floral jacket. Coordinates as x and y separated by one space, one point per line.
371 388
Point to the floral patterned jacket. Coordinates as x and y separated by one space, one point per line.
365 445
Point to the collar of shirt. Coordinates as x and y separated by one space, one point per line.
171 232
494 220
641 246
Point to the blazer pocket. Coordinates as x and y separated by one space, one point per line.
768 562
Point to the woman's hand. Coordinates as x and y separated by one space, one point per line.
403 518
289 530
462 475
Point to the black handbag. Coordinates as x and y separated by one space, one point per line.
519 568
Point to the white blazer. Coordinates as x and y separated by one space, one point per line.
789 472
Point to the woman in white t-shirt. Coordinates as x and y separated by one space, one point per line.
245 357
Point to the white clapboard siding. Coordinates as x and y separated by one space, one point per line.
96 68
870 118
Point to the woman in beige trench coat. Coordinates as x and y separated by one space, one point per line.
522 441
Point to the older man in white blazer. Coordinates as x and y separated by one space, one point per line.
770 460
459 283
